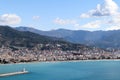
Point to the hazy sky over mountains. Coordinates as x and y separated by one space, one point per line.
54 14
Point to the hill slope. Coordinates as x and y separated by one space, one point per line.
10 37
102 39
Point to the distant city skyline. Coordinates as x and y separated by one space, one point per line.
67 14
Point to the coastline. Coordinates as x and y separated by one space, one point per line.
63 61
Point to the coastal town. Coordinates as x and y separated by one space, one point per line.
21 46
7 55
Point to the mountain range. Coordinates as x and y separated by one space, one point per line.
15 39
102 39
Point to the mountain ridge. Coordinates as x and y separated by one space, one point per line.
102 39
12 38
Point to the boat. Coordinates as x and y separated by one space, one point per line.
14 73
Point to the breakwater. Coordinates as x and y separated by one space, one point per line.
13 73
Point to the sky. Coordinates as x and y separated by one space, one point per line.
47 15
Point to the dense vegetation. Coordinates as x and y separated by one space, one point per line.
13 38
102 39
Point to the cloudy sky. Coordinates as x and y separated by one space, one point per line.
68 14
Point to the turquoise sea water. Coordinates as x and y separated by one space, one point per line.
81 70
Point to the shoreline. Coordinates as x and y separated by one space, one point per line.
62 61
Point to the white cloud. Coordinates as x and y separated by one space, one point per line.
64 21
114 20
114 23
36 17
116 27
85 15
109 8
91 25
95 24
9 19
109 13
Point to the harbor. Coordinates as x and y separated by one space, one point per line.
14 73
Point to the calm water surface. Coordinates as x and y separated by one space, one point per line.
81 70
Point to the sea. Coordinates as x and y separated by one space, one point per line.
74 70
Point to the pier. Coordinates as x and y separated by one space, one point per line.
14 73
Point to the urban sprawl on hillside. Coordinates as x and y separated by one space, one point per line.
8 55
